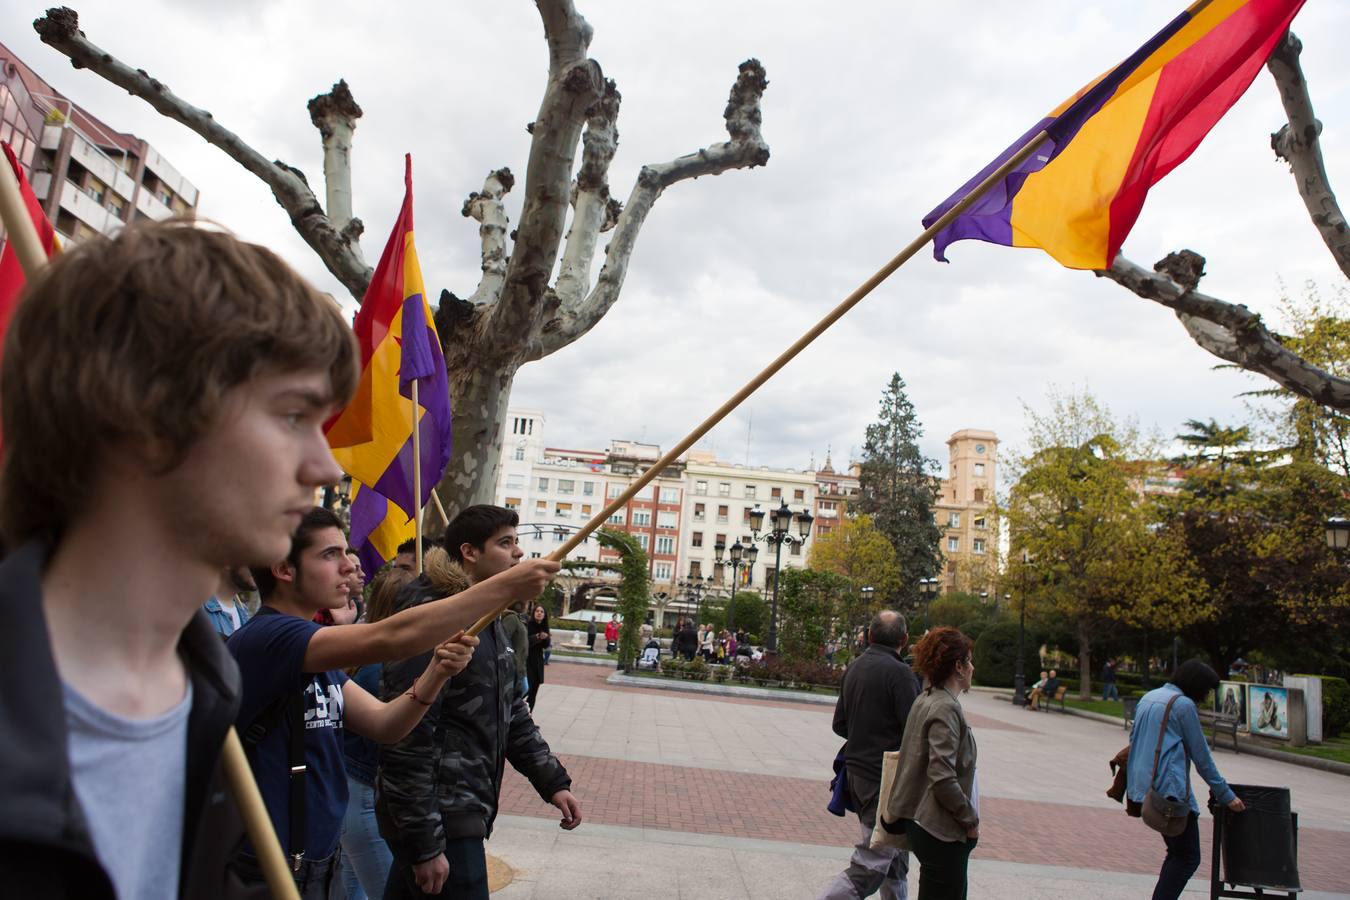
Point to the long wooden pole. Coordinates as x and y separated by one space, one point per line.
787 355
28 247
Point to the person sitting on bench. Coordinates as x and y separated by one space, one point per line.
1037 691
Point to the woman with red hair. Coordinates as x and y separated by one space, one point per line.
933 809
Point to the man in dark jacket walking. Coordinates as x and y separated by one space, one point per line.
874 703
438 788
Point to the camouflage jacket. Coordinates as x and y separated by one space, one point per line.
443 780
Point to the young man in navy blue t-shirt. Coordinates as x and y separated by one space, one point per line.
282 652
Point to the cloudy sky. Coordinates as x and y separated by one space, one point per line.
875 112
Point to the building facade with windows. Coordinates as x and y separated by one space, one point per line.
835 492
965 512
91 178
717 506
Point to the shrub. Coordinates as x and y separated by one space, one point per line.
996 655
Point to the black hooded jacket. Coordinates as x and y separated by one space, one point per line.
45 846
444 779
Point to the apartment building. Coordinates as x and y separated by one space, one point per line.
719 498
965 512
835 492
91 178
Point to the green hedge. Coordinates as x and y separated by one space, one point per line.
996 655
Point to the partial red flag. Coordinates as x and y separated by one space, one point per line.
11 273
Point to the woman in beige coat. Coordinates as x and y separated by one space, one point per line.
933 808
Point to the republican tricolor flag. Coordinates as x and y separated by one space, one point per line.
372 437
1079 194
12 278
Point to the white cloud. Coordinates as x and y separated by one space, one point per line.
875 112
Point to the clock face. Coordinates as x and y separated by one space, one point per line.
979 448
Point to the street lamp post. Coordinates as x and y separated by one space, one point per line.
778 535
737 551
1019 672
694 587
868 592
929 588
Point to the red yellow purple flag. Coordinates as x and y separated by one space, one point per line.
1080 193
372 437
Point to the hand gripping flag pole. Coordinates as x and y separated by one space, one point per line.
785 357
19 229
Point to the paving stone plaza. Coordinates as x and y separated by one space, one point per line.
701 797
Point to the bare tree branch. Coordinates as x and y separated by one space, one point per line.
574 83
1229 331
592 209
335 114
1298 143
746 149
59 28
490 212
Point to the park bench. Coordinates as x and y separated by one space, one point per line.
1219 723
1058 698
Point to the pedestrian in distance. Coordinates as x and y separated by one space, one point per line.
539 641
1170 714
612 634
590 634
1109 691
933 809
163 393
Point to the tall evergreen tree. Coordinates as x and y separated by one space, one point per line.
899 489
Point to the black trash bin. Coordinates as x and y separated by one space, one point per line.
1260 844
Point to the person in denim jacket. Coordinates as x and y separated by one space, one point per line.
1183 742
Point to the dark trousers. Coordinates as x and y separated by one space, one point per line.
468 879
1183 858
316 880
942 864
534 670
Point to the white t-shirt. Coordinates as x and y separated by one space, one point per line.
130 776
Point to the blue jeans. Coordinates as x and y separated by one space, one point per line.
366 857
1183 858
1109 691
468 878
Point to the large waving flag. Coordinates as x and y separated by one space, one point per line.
1078 195
372 437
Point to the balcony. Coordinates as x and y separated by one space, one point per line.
151 206
88 210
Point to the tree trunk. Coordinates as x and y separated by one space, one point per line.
1084 660
479 402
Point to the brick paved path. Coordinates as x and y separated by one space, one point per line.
738 767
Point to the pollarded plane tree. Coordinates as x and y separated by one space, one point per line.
1231 331
517 313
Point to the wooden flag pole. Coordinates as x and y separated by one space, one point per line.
27 246
440 507
417 477
786 356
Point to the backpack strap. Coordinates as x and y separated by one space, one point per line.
292 706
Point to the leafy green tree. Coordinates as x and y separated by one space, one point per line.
957 610
634 589
1076 508
808 601
859 552
1317 328
752 612
898 489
